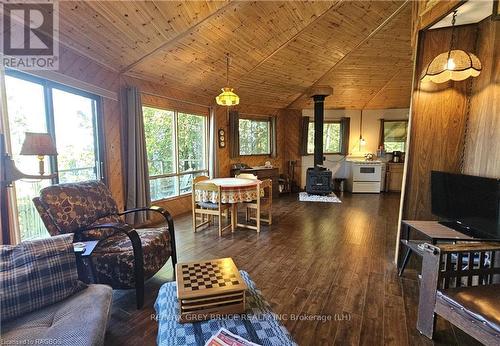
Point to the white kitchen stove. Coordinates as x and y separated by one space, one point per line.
365 176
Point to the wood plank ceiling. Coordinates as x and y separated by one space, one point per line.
278 48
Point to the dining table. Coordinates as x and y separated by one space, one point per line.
232 191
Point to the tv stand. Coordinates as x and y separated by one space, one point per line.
433 231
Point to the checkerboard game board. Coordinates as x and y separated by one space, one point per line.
203 275
210 287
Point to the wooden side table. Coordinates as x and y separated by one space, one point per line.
85 257
433 230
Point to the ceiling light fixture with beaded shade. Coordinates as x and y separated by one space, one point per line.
227 97
455 64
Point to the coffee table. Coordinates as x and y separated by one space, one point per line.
258 324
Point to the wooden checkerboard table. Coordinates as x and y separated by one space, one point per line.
209 288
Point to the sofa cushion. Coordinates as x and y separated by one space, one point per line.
479 302
37 273
80 319
76 206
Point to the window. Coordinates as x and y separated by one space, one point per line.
177 149
72 118
394 134
255 137
332 137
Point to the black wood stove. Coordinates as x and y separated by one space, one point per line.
319 178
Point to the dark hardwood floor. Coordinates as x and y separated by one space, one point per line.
325 259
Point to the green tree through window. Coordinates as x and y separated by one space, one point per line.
331 138
255 137
176 146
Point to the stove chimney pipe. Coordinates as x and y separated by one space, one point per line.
319 119
319 93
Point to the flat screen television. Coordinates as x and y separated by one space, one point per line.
467 203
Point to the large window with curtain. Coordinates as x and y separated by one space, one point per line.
393 135
335 136
177 150
72 118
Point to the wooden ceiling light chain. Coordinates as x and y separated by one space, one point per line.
467 114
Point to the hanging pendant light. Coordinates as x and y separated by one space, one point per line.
227 97
455 64
362 141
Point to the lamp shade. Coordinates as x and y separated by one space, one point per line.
227 97
40 144
454 65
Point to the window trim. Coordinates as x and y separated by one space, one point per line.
176 149
335 121
97 122
261 119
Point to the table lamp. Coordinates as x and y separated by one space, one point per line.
39 144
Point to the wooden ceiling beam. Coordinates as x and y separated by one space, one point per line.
344 58
177 37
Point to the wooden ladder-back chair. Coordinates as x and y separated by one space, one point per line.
210 208
264 204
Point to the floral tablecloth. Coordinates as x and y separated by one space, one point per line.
233 190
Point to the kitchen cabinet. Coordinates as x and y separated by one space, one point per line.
394 177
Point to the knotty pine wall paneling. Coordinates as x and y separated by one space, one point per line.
437 122
289 121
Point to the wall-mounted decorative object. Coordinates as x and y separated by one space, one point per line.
227 97
496 10
455 64
221 135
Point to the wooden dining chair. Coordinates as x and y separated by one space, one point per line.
262 205
209 208
246 176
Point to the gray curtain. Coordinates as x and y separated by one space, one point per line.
274 135
345 126
304 129
234 134
137 188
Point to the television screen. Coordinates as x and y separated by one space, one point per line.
471 202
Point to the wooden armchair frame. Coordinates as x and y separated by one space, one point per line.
448 266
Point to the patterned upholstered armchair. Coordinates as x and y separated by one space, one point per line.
124 257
